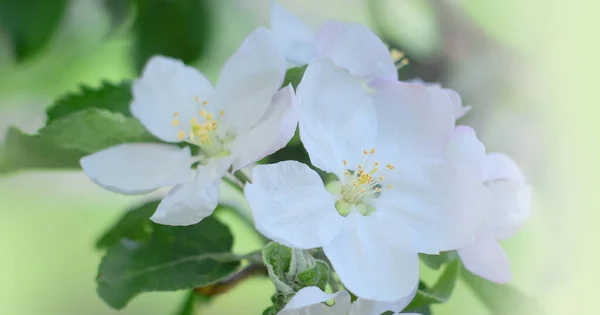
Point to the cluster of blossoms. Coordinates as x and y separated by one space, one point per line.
409 180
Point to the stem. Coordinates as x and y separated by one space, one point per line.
229 283
234 183
242 177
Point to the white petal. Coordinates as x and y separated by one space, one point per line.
310 301
288 200
395 306
486 258
166 87
511 196
270 134
293 37
337 120
459 110
445 211
354 47
189 203
137 168
373 258
249 80
413 121
499 166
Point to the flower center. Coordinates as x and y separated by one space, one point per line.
205 134
365 181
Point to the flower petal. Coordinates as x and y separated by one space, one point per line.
189 203
455 99
293 37
167 87
486 258
337 120
310 301
373 257
446 207
270 134
287 200
354 47
138 168
511 196
413 121
249 80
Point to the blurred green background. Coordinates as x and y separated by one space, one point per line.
525 67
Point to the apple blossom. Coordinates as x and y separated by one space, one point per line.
241 120
350 46
311 301
511 198
407 182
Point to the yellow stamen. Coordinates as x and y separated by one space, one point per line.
378 189
347 172
380 178
222 112
345 162
390 166
365 152
376 163
181 135
372 151
175 122
204 114
390 186
204 103
196 98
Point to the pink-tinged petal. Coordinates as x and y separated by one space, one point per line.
311 301
337 120
413 121
453 96
249 80
511 196
355 48
138 168
486 258
189 203
293 37
270 134
288 199
168 87
445 207
373 257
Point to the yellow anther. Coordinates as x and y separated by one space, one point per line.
175 122
192 136
376 163
372 151
396 54
345 162
194 121
359 167
390 166
176 115
209 117
222 112
181 135
380 178
362 190
347 172
354 184
365 152
404 62
196 98
378 189
390 186
203 113
204 103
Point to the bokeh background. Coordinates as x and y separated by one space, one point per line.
526 67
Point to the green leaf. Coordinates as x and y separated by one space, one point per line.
135 225
294 76
436 261
112 97
94 129
440 292
501 299
30 23
174 28
118 11
316 276
21 150
63 142
174 258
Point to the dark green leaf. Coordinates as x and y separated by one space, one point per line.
174 28
501 299
118 11
94 129
134 225
21 150
436 261
30 23
440 292
112 97
174 258
294 76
